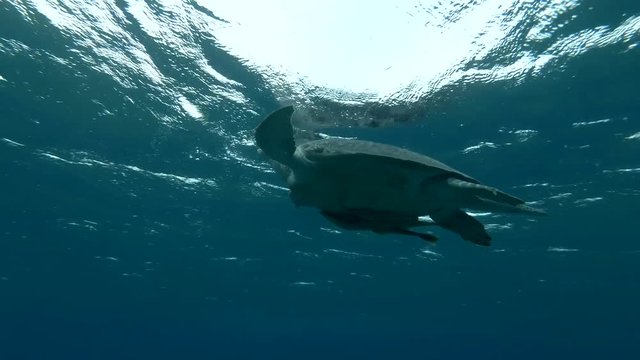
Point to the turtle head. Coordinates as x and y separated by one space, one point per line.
274 136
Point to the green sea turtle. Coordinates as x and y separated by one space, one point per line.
363 185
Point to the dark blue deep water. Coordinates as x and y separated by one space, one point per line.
138 221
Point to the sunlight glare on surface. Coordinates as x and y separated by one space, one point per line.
359 46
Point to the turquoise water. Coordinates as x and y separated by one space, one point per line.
139 221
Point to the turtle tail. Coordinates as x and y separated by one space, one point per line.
274 136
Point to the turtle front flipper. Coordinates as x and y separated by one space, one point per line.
426 236
274 136
380 222
462 224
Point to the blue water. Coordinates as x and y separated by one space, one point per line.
138 221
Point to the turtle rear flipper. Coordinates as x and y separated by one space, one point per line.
462 224
491 199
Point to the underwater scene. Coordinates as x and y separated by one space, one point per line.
209 179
